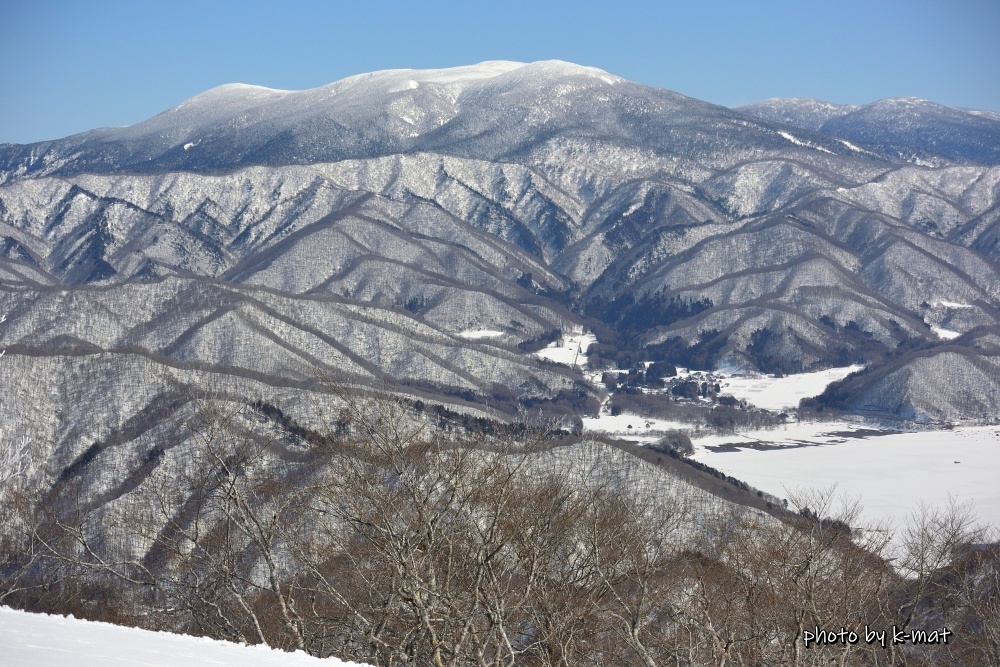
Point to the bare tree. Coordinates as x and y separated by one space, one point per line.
14 459
632 549
978 583
928 546
396 542
428 520
19 550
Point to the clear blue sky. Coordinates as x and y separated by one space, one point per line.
68 66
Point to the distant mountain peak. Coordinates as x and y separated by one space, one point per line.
910 128
803 112
227 93
908 102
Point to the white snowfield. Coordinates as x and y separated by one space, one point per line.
42 640
773 393
889 474
630 425
763 391
476 334
946 334
570 349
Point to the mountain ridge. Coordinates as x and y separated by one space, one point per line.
487 117
911 127
535 198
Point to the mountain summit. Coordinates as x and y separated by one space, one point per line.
491 111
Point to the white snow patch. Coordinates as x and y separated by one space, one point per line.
889 474
473 334
792 139
630 424
952 304
946 334
42 640
570 349
806 144
852 146
190 145
773 393
408 84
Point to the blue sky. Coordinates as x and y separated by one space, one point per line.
67 66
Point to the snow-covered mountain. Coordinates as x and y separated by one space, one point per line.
265 238
910 128
494 111
802 112
209 294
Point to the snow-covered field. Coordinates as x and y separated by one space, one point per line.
793 434
41 640
889 474
571 349
763 391
476 334
773 393
632 427
945 334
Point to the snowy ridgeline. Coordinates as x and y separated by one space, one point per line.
41 640
592 464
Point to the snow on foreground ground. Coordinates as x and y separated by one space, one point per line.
42 640
888 473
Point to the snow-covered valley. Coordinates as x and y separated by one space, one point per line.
782 393
889 473
485 287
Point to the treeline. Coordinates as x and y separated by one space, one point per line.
725 414
392 542
631 317
624 324
674 351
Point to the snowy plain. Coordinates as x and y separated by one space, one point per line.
43 640
571 349
889 473
773 393
763 391
632 427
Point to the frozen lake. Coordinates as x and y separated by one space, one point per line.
889 474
